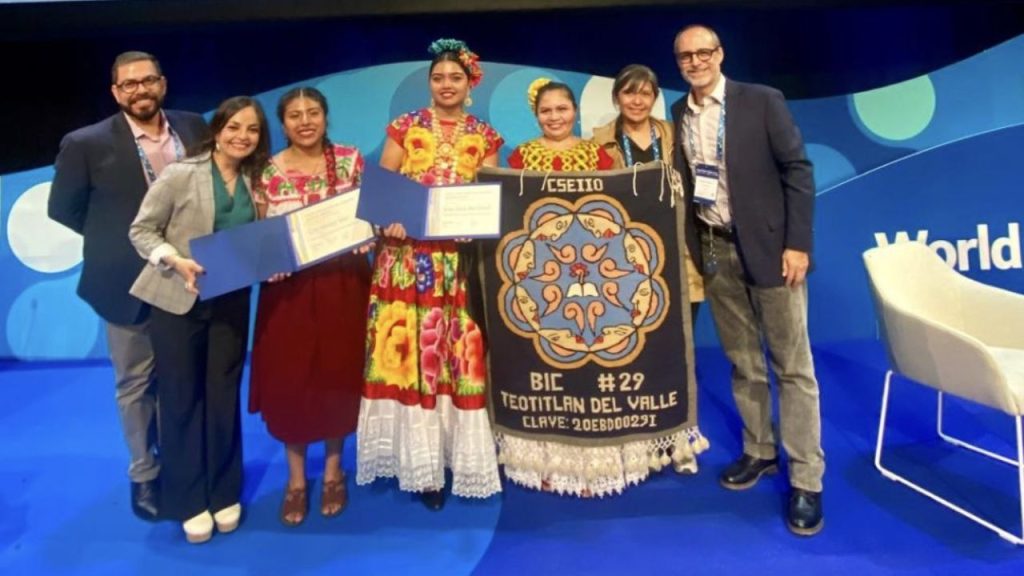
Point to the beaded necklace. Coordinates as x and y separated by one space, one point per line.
446 151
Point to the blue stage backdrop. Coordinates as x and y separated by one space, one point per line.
934 159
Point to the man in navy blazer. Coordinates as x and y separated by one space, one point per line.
750 204
101 174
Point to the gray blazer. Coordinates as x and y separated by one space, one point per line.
177 208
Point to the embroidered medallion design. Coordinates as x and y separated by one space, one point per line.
582 281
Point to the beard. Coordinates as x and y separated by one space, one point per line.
144 115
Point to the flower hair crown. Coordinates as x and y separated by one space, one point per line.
467 57
534 89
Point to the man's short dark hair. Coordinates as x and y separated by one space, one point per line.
126 58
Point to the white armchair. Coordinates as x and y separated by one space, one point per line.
956 335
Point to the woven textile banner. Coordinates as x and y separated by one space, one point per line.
588 318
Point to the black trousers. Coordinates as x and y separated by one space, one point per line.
199 361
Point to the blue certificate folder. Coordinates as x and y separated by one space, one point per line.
391 197
250 253
242 256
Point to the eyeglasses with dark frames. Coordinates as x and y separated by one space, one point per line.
130 86
704 54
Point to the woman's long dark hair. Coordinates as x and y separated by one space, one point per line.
318 97
253 165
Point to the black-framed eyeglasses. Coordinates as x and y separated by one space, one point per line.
704 54
129 86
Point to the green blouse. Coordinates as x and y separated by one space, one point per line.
230 211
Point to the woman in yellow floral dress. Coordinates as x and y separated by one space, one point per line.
423 399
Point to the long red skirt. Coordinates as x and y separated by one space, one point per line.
309 350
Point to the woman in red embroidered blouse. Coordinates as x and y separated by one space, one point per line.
308 351
557 149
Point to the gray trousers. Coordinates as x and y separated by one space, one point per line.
131 353
750 319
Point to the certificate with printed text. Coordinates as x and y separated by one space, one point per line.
438 213
464 211
328 228
251 253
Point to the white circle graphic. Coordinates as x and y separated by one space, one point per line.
38 242
597 109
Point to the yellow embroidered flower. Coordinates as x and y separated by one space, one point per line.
394 350
469 151
533 89
419 150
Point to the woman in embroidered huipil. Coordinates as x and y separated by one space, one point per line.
557 149
307 360
423 396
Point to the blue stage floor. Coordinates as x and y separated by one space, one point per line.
64 509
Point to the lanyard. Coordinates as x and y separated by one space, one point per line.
147 166
720 141
628 149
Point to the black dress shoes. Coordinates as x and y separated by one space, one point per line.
804 517
745 472
146 500
433 500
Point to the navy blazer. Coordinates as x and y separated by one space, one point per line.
770 181
97 188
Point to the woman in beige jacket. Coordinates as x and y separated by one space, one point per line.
634 137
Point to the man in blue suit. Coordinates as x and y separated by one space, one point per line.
102 174
750 205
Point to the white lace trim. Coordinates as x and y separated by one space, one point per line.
415 445
596 470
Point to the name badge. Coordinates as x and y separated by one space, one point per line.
705 189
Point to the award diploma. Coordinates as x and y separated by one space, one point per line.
437 213
467 211
251 253
327 228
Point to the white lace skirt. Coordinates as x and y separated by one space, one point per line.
415 445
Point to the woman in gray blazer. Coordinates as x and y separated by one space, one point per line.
200 345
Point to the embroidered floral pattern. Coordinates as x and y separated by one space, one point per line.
393 355
585 155
424 272
423 160
287 190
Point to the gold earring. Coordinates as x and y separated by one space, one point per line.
468 101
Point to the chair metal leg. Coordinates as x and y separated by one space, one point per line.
963 443
1016 539
1020 476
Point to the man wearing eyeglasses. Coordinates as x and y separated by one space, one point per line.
750 192
101 174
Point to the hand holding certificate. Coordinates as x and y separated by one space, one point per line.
435 213
248 254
